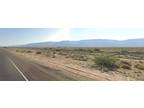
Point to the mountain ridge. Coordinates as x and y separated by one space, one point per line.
90 43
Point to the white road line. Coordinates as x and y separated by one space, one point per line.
18 69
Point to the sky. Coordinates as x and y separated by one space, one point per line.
19 36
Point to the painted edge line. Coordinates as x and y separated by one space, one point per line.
18 69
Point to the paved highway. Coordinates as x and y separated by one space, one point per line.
13 68
8 71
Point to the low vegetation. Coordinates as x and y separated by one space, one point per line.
128 62
38 52
139 66
105 61
125 64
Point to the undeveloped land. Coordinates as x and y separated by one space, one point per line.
130 61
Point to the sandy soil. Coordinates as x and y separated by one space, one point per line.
61 63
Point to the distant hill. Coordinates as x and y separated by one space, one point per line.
90 43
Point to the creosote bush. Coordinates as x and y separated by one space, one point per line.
38 52
29 51
105 61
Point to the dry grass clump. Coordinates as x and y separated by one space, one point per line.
23 51
51 54
28 51
125 64
79 57
139 66
141 61
124 52
17 51
126 67
62 53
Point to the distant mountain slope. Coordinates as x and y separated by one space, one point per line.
91 43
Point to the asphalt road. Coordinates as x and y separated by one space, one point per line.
13 68
8 72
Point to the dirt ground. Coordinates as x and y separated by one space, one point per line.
62 63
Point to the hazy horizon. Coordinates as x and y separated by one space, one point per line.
20 36
87 39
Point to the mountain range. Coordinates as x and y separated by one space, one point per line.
90 43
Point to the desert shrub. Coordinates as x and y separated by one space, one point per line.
80 49
17 50
38 52
83 58
105 61
141 61
53 54
62 53
79 57
23 51
67 56
139 66
125 64
96 49
90 50
124 52
48 54
57 50
126 67
29 51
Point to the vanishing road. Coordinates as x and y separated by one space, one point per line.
14 68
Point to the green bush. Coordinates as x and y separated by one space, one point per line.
105 61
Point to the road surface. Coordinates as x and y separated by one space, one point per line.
13 68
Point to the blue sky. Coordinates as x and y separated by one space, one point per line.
15 36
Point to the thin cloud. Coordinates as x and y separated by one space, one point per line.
63 34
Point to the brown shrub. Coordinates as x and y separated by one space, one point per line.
141 61
126 67
29 51
38 52
17 50
125 64
79 57
139 66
